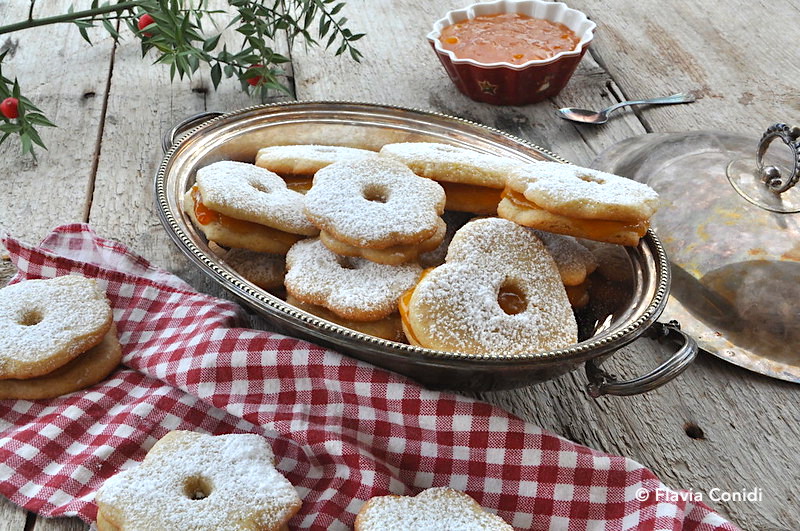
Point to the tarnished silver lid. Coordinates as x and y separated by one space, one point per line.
730 224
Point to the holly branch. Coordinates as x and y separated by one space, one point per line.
183 34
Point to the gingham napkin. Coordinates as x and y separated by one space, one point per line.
342 430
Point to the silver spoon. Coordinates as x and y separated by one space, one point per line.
585 116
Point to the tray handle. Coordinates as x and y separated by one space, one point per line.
171 136
602 383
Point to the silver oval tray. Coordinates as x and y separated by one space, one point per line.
239 135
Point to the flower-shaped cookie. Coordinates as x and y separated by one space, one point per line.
376 204
498 292
353 288
195 481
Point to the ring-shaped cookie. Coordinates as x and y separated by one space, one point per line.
246 192
87 369
579 202
45 324
374 203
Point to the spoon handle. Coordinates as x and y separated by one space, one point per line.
681 97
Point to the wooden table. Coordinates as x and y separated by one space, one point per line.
717 426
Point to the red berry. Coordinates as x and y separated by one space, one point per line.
10 108
144 21
253 81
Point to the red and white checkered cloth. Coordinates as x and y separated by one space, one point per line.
342 430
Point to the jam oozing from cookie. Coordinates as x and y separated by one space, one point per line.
507 37
206 215
471 198
402 308
591 228
511 299
298 183
203 214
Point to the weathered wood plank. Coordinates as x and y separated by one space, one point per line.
56 186
732 54
12 517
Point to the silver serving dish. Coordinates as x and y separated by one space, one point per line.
606 325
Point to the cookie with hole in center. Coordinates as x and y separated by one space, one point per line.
376 204
87 369
579 202
195 481
352 288
498 292
45 324
241 205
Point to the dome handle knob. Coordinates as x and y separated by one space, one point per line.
771 175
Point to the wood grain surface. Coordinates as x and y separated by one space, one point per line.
716 426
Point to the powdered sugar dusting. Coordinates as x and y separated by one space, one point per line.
452 163
41 317
307 158
583 192
455 307
247 192
375 202
359 290
435 509
191 481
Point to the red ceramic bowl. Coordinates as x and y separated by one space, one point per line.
506 83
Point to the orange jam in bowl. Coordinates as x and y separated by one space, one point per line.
513 38
511 52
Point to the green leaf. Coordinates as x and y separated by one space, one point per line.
216 75
39 119
27 145
110 29
85 35
211 43
34 135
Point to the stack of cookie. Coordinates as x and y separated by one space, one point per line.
56 336
426 243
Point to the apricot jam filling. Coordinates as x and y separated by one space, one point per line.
299 183
591 228
511 299
507 38
402 308
471 197
206 215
